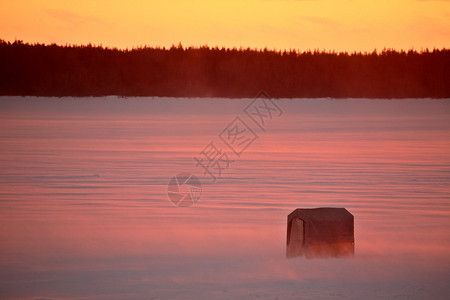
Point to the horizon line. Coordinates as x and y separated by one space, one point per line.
217 47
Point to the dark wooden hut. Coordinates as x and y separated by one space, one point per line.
320 232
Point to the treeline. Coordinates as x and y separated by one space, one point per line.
52 70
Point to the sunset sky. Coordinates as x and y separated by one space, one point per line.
348 25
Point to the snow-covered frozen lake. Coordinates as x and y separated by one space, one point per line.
85 214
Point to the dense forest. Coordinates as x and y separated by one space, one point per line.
52 70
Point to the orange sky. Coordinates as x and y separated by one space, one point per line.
301 24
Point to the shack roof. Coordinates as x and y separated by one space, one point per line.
325 214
